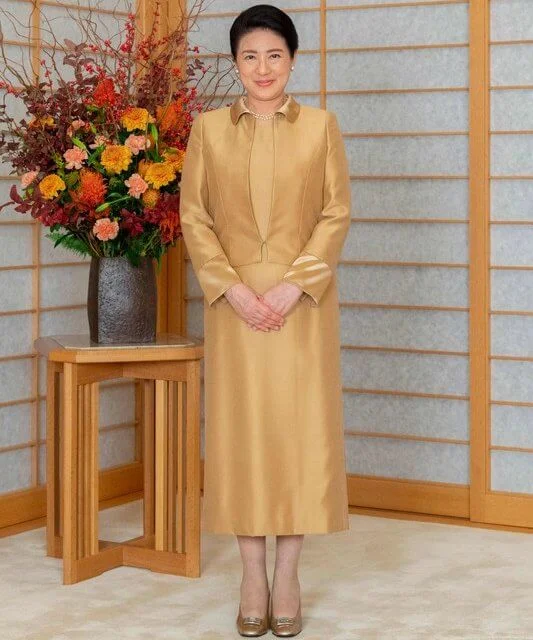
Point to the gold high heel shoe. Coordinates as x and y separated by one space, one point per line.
252 626
285 626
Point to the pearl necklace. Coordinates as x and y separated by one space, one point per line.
263 116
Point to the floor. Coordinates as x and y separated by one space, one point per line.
383 579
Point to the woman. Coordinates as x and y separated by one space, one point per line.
265 209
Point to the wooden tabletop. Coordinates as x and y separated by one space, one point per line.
80 349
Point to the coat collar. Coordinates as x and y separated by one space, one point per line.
290 109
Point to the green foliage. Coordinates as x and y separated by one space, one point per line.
70 241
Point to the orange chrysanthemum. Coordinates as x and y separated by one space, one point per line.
91 190
116 158
150 197
160 174
135 118
175 158
142 167
50 186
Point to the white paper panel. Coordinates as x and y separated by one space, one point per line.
512 426
512 155
512 381
511 110
15 470
117 404
439 330
425 417
424 461
405 372
511 64
110 5
511 199
16 335
398 69
15 18
407 242
64 322
418 155
8 213
64 286
15 109
435 286
59 23
15 380
15 246
512 335
211 34
398 25
195 318
16 288
410 198
512 245
439 111
512 471
511 20
15 424
117 447
512 290
20 63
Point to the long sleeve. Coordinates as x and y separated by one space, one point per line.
213 270
313 269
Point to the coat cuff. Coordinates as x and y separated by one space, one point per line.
311 274
216 276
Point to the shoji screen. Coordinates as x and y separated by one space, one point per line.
43 291
510 426
397 76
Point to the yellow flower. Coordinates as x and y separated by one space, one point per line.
175 158
150 197
51 185
43 121
135 118
160 174
116 158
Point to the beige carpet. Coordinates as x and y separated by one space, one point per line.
383 579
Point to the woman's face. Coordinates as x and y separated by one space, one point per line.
264 64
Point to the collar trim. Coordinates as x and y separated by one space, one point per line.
290 109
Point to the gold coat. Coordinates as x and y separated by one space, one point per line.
274 436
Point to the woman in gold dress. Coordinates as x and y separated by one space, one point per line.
265 209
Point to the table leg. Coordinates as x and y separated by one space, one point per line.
148 409
70 476
53 493
192 430
161 459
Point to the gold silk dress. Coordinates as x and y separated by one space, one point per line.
274 441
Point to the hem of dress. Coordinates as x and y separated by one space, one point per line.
282 532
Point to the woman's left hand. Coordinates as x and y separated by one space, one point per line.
282 297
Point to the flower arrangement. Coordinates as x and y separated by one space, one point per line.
100 157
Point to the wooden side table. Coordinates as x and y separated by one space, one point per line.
169 371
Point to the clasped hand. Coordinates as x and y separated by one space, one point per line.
264 312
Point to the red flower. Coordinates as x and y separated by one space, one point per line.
104 94
131 223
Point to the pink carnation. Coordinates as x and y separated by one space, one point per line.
76 124
105 229
75 157
137 143
99 140
27 178
137 186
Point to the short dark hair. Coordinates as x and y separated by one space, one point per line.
263 16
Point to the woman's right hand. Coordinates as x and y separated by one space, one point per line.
256 313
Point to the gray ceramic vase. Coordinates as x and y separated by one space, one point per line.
122 301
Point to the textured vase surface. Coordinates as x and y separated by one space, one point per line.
122 301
